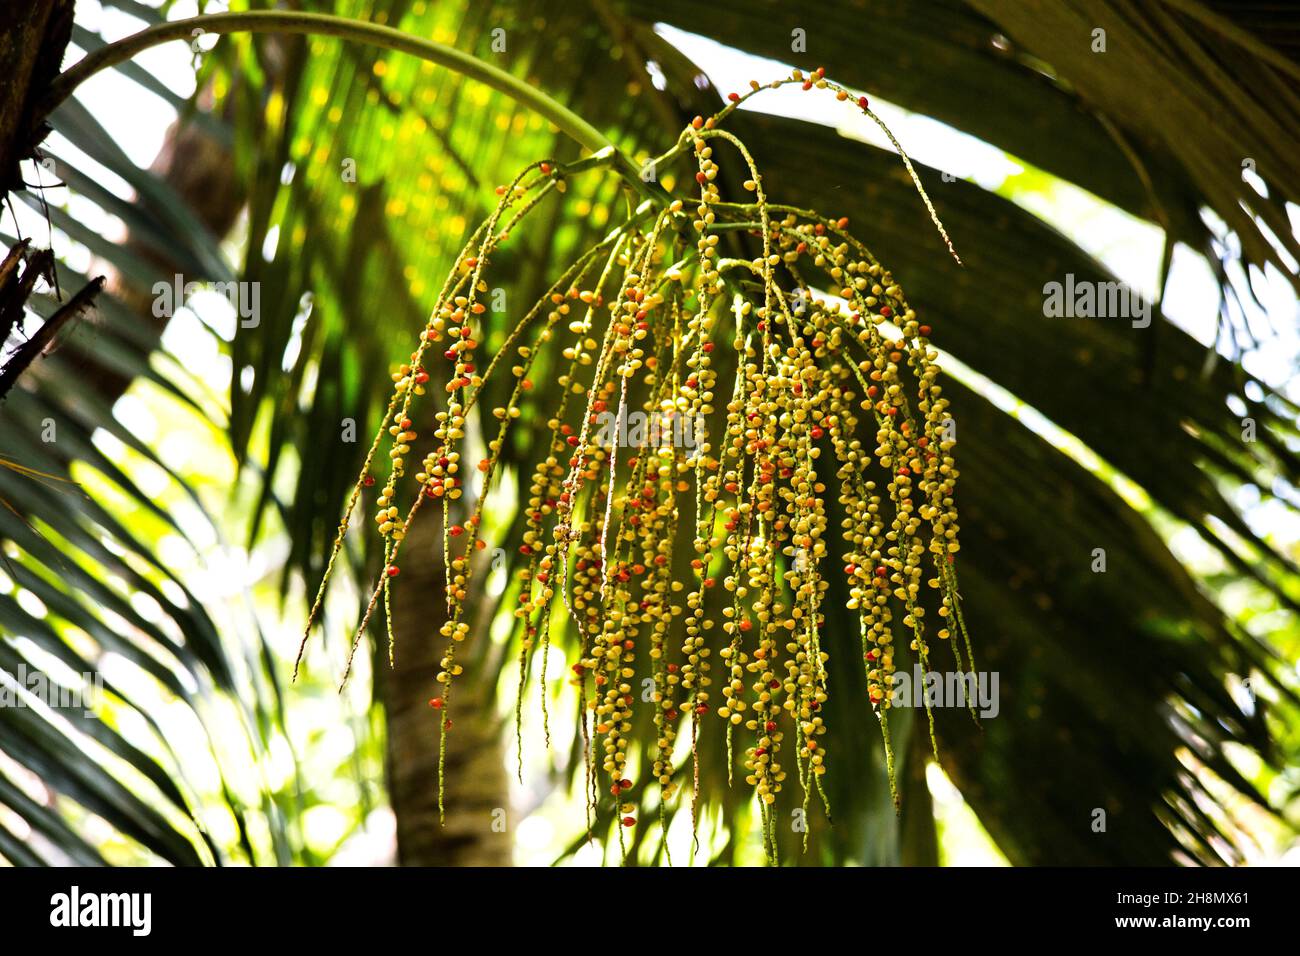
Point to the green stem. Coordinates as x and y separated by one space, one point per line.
323 24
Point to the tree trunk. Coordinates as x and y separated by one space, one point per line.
33 37
477 792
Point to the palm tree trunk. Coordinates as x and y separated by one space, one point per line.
477 792
33 35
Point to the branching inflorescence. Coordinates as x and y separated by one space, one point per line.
782 365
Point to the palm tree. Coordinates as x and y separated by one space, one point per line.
365 171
